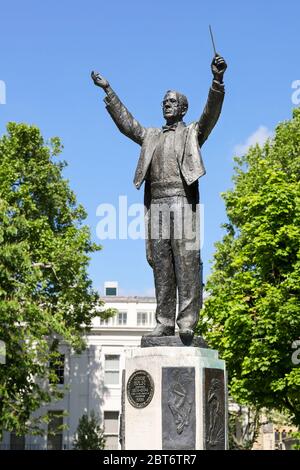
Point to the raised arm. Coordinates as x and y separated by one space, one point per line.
124 120
214 102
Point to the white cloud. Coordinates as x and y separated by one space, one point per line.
260 136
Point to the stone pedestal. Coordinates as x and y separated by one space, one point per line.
174 398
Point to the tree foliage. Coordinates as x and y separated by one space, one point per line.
45 292
89 434
252 314
243 427
296 445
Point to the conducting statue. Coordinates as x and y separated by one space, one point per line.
170 165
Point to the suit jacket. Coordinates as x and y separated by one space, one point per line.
188 141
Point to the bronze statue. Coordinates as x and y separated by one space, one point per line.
170 164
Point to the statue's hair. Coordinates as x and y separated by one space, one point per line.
182 99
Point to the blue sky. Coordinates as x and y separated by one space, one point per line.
145 48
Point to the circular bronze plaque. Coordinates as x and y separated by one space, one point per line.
140 389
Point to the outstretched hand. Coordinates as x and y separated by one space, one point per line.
218 67
99 81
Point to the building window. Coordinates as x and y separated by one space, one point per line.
122 318
55 432
111 291
111 430
142 318
57 367
17 442
112 369
108 321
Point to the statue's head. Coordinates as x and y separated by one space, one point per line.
175 106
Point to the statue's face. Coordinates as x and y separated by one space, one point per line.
171 107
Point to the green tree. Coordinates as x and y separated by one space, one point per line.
89 434
243 427
296 445
45 293
252 314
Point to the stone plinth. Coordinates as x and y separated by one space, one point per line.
174 399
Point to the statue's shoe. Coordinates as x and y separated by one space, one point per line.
161 330
186 334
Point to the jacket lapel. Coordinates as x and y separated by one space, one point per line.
181 134
147 151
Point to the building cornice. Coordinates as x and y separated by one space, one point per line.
114 330
121 299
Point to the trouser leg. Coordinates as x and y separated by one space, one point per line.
165 282
188 269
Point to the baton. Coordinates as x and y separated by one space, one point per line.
212 40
